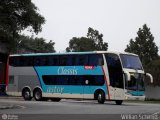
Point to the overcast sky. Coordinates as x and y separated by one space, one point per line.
117 20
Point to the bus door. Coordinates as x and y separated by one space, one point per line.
12 84
115 76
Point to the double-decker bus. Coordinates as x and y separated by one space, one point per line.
3 72
98 75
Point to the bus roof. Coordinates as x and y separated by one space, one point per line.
72 53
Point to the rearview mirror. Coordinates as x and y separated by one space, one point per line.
150 76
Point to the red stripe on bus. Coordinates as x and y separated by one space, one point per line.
7 70
107 85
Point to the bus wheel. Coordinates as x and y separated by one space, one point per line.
55 99
101 97
37 95
26 93
119 102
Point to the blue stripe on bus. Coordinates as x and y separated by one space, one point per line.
136 93
65 53
69 70
38 77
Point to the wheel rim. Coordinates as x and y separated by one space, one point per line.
99 97
37 95
27 94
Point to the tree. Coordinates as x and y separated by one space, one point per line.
154 69
80 45
97 38
17 15
28 44
93 42
144 45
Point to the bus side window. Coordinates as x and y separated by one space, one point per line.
83 60
96 59
36 61
74 60
69 60
43 61
49 79
88 79
75 80
93 80
12 61
99 80
21 61
40 61
28 61
52 60
55 60
100 60
63 60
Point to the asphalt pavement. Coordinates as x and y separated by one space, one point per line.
16 108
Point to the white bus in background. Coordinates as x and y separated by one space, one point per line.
98 75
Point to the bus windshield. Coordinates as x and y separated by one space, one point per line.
131 62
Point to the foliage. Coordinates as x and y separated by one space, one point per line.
28 44
97 38
144 45
154 69
93 42
80 44
17 15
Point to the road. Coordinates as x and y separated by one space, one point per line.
77 109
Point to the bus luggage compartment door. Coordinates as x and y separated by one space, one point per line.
12 88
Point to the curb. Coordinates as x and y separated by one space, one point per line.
10 97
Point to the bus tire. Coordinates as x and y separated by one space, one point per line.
101 97
55 99
119 102
26 93
37 94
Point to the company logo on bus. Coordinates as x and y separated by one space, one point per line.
67 71
89 67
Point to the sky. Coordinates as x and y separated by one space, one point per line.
117 20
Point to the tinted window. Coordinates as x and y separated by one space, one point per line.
63 60
12 61
40 61
29 61
115 70
83 60
21 61
95 59
73 80
131 61
57 60
52 60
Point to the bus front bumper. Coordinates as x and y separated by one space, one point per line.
129 97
